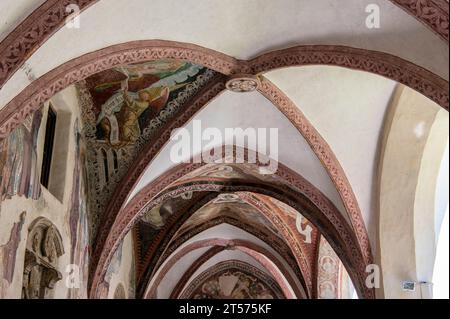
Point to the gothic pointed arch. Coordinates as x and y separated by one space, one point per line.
167 186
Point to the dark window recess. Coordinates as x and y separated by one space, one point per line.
48 147
105 165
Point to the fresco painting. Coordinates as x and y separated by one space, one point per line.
126 99
122 109
18 160
329 265
233 280
8 254
78 218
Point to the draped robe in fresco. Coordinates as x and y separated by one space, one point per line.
78 219
18 160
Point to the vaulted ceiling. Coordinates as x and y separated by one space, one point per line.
320 76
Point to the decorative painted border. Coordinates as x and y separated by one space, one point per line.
48 85
80 68
45 21
379 63
281 245
324 153
207 256
31 34
218 245
432 13
154 260
299 194
42 89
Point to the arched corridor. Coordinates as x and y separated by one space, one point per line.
223 149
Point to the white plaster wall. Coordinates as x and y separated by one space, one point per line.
242 29
442 190
48 206
348 109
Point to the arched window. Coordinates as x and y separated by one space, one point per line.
44 247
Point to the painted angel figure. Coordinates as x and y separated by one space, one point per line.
119 116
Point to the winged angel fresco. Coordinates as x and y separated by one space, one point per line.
120 119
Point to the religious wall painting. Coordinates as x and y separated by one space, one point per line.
8 254
41 269
114 265
78 218
157 216
226 198
233 280
123 108
19 174
229 205
328 278
113 269
306 232
154 220
201 216
215 171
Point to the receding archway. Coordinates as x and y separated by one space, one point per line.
326 217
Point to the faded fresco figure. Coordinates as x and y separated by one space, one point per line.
128 98
154 98
8 254
18 160
78 218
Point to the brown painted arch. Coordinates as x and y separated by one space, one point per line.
319 146
432 13
48 85
383 64
210 254
46 20
301 195
282 245
166 248
80 68
356 271
242 267
223 244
